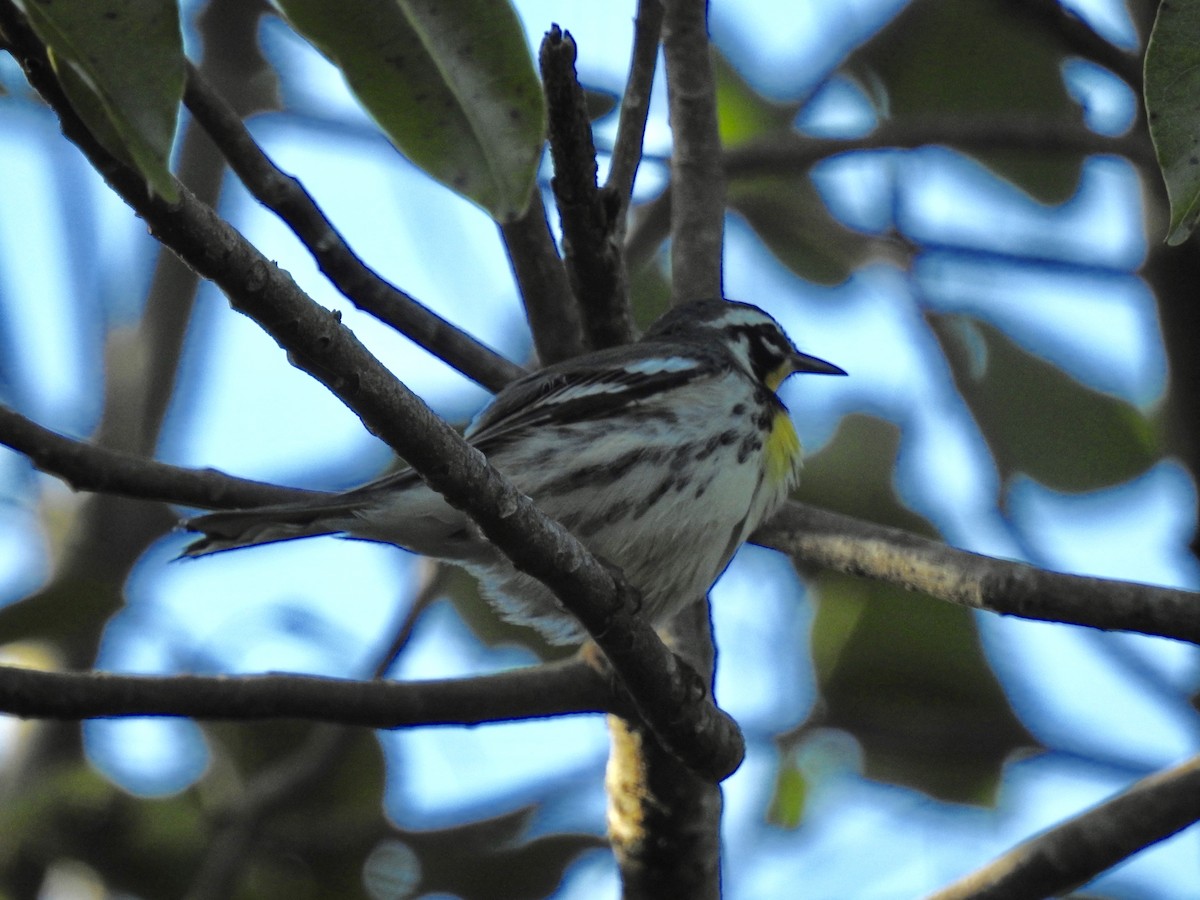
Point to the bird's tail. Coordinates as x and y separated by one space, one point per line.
264 525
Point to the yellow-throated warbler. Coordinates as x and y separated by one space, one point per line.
661 456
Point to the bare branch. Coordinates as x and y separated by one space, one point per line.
855 547
1075 852
635 105
793 152
88 467
546 292
590 216
287 198
698 206
818 537
681 714
551 690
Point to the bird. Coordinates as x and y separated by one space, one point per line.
661 456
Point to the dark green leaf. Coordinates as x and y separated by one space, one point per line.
1039 420
450 82
121 64
977 59
1173 109
906 676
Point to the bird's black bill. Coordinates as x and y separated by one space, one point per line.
802 362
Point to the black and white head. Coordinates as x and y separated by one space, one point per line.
754 338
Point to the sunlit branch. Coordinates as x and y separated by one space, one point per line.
849 545
1075 852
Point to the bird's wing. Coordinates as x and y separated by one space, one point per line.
588 388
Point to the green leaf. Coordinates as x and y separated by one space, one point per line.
977 59
450 82
907 677
1173 109
790 796
742 113
1039 420
120 63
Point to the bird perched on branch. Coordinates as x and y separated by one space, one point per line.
661 456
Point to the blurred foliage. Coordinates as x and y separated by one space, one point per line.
979 61
1037 419
903 674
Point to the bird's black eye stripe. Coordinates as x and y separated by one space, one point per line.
767 350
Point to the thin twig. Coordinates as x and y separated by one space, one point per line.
1073 853
545 291
285 780
849 545
590 216
287 198
635 105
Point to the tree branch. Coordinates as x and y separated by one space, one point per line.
1075 852
683 717
288 199
792 153
89 467
589 215
816 536
855 547
697 177
635 105
553 689
545 291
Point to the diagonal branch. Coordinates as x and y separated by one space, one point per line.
1075 852
287 198
849 545
680 713
545 291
